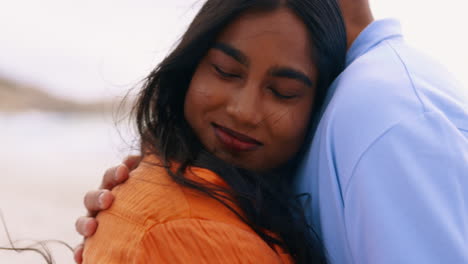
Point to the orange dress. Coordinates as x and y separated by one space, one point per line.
155 220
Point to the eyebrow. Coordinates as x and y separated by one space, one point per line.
277 71
232 52
286 72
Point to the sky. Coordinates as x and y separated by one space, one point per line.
93 49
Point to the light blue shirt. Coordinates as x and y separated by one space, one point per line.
388 167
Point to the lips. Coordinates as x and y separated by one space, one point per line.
235 141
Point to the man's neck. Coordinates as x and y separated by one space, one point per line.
357 16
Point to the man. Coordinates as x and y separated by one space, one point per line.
388 167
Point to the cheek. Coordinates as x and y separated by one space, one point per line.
290 127
198 91
201 98
193 105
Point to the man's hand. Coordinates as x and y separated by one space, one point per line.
101 199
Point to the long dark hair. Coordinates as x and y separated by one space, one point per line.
267 202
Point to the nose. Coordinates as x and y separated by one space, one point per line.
245 106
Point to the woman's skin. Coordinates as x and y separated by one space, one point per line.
251 96
357 15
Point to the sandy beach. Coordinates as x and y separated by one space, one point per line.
47 163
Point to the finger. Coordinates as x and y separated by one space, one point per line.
98 200
132 161
121 175
108 181
114 176
86 226
78 253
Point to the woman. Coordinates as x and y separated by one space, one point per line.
222 121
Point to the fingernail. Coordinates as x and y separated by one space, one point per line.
101 199
87 230
117 174
79 224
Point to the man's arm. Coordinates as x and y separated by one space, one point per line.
101 199
406 201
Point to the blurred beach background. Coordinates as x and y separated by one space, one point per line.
65 65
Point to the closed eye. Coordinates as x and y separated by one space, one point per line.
280 95
223 73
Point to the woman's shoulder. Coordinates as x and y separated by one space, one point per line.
154 218
148 196
151 196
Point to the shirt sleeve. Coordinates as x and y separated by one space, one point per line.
204 241
407 198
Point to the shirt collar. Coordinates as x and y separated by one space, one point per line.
372 35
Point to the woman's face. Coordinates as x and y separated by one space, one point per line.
251 96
